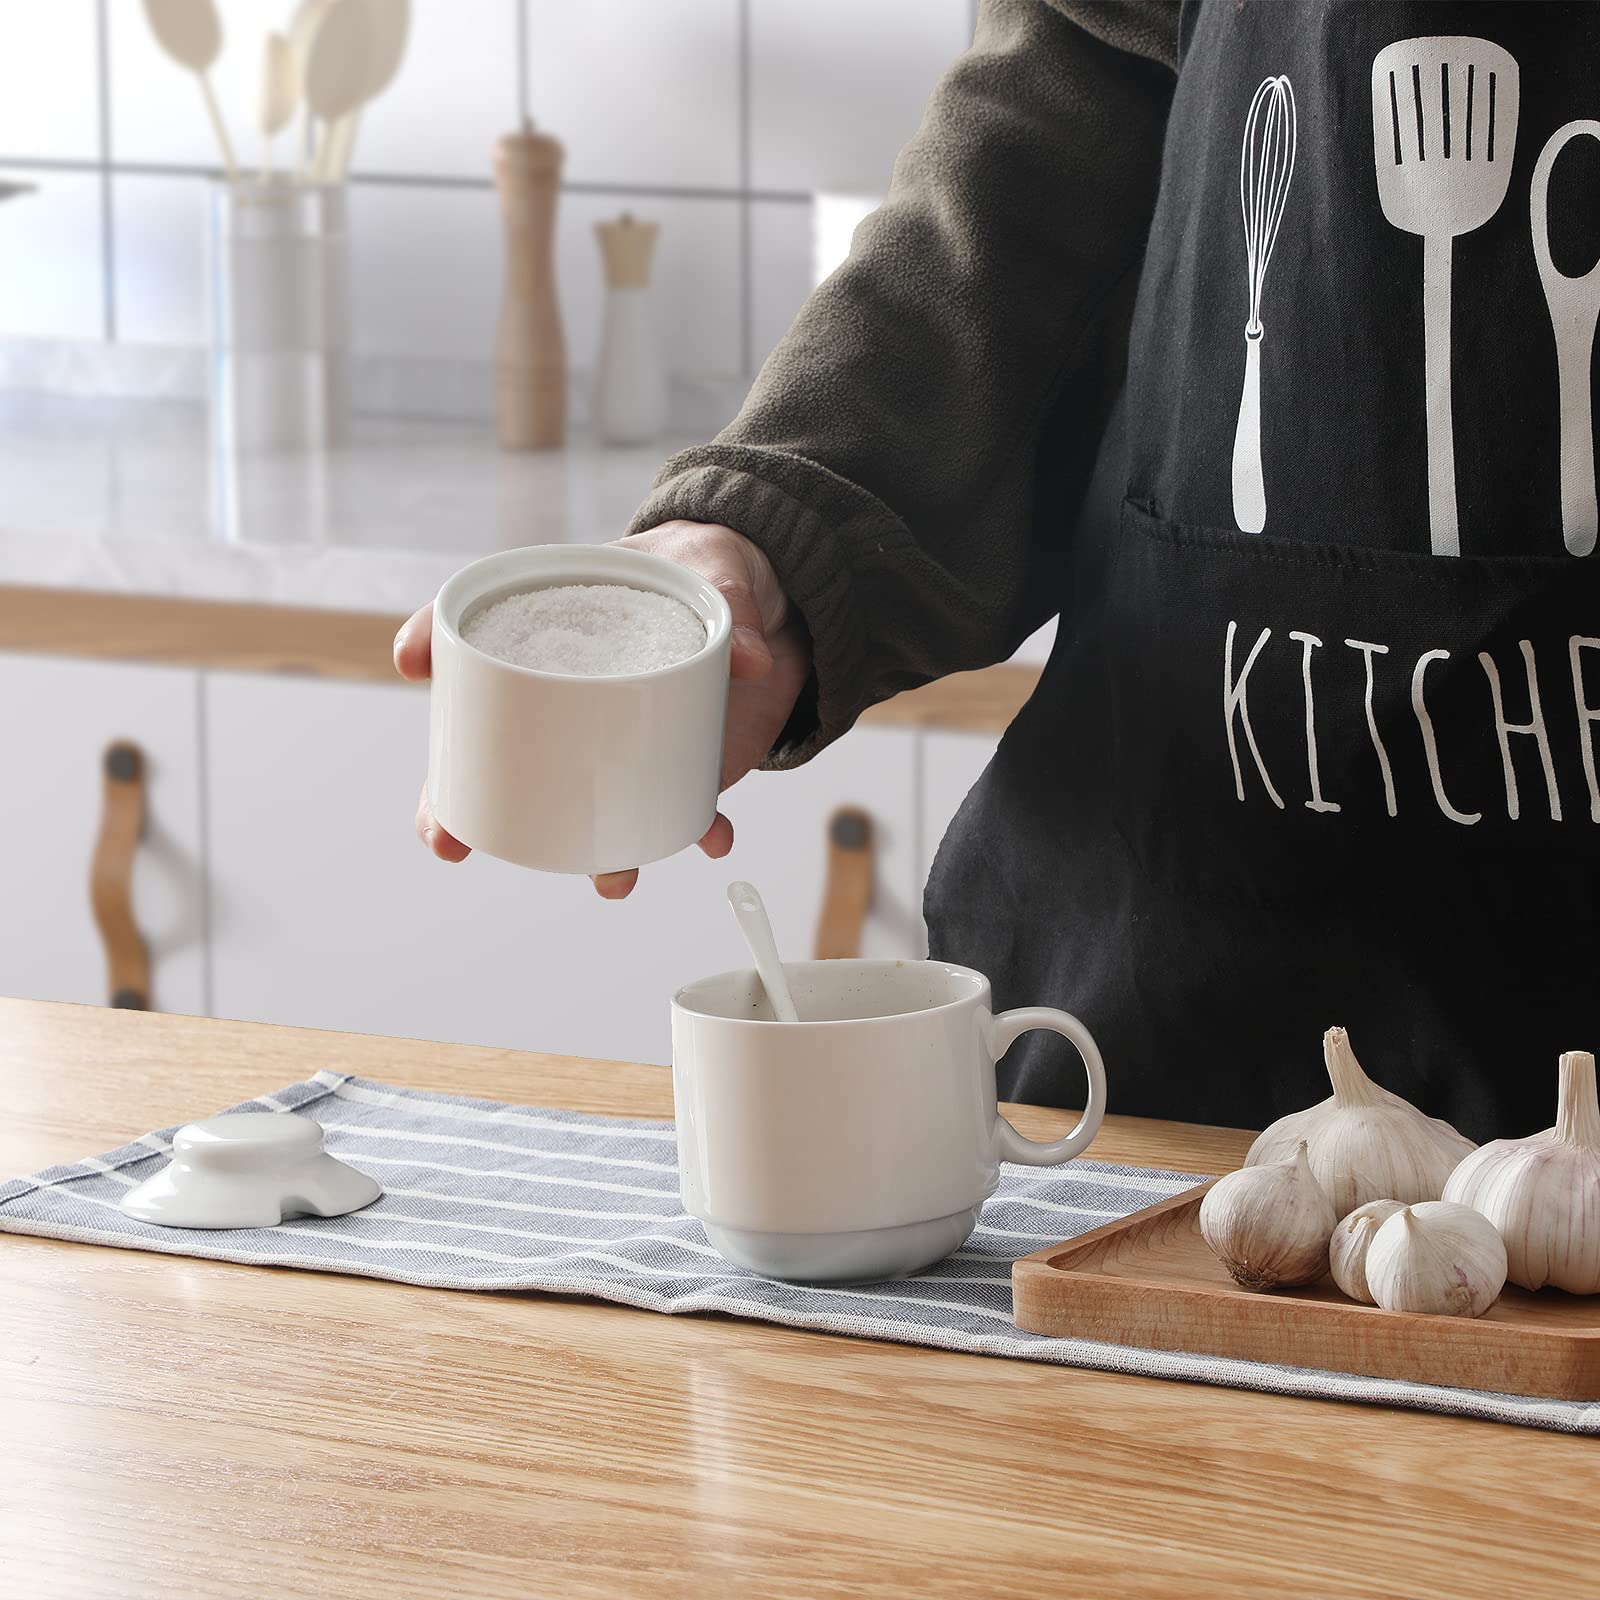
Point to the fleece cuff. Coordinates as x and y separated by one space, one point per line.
810 523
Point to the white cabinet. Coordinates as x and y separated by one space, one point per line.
279 879
56 719
951 763
325 911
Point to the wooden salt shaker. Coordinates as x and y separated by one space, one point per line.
630 388
530 350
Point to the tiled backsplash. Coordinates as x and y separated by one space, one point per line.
717 118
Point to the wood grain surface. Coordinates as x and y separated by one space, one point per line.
122 812
1151 1280
236 636
530 349
220 1430
965 702
226 634
846 885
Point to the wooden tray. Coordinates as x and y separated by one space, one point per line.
1150 1281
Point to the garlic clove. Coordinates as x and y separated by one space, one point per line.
1347 1250
1543 1192
1365 1143
1438 1258
1269 1225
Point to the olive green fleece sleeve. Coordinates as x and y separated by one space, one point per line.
895 456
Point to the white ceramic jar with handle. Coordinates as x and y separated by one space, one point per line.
860 1141
566 773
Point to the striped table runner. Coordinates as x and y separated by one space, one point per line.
479 1195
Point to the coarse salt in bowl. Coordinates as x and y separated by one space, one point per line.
588 763
590 630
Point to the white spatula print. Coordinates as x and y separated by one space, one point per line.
1266 164
1444 127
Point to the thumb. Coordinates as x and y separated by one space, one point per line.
751 657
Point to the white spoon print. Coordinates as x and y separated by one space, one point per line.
1574 307
1444 126
1266 164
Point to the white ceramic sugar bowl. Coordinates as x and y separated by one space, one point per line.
249 1169
567 773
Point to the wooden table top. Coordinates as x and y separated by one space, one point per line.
223 1430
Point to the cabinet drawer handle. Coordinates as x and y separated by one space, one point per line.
111 876
847 893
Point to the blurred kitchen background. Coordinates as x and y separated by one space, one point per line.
196 707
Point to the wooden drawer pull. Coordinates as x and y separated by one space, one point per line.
847 894
111 877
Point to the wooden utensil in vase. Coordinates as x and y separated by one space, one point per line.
278 93
302 34
389 25
530 349
336 74
190 31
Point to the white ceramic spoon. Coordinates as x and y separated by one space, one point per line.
757 931
190 31
277 95
336 73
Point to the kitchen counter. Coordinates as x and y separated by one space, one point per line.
123 536
126 497
222 1430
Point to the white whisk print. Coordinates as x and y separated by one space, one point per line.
1266 164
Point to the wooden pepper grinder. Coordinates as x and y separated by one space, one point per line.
630 386
530 350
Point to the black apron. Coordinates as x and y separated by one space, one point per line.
1293 763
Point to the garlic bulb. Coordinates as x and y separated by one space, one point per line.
1269 1225
1437 1257
1365 1143
1347 1249
1543 1193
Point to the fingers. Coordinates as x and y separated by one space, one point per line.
750 658
717 841
724 558
413 646
413 660
445 846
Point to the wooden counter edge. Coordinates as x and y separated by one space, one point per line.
356 646
232 635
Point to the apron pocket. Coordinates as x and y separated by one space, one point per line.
1293 720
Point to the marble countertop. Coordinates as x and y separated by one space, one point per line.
127 496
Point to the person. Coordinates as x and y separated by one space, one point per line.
1222 332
